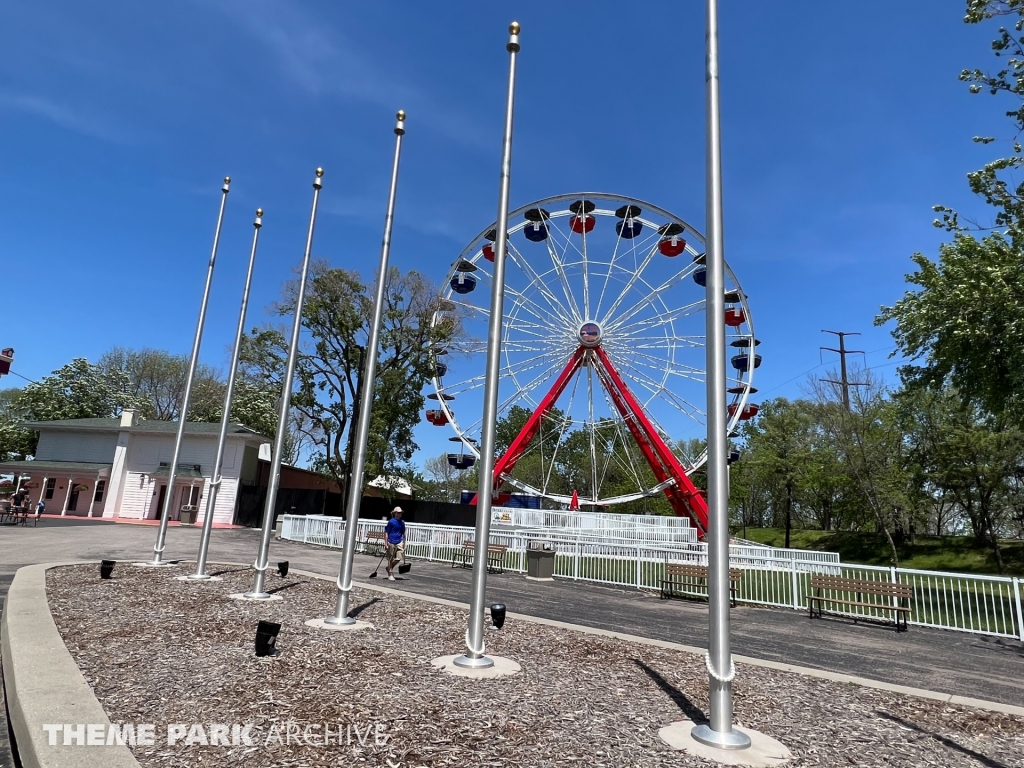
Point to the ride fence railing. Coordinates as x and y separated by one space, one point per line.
988 605
677 528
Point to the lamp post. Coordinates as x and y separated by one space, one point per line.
260 565
165 512
217 477
719 732
474 657
357 462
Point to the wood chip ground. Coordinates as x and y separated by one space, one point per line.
161 651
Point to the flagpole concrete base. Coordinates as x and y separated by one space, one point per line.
763 752
502 667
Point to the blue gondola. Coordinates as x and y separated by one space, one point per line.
741 362
461 460
536 231
463 283
628 228
440 369
700 277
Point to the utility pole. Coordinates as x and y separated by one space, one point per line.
845 383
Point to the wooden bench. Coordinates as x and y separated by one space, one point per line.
376 543
495 556
887 596
693 577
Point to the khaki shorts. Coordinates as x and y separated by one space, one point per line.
396 552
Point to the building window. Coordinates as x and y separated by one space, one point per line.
51 484
101 486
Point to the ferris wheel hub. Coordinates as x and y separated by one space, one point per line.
590 335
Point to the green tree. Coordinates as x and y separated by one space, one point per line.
15 442
78 390
779 441
964 323
157 379
971 455
336 318
870 441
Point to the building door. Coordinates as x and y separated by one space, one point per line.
160 502
73 499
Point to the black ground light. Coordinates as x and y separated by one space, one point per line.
266 638
498 615
282 568
106 568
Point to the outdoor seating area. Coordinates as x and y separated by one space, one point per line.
875 596
495 556
11 514
681 579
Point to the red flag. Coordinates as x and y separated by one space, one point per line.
574 505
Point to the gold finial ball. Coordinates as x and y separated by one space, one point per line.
513 28
259 211
319 173
227 179
401 114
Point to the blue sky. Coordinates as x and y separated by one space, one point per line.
842 125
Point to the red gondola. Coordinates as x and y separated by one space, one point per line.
672 246
734 316
748 412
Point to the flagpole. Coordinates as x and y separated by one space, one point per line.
217 477
358 460
721 671
260 565
165 512
474 657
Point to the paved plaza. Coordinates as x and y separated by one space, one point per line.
948 662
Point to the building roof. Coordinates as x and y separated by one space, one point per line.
46 464
143 426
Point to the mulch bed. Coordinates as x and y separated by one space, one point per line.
161 651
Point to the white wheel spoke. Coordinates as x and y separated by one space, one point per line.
629 285
649 321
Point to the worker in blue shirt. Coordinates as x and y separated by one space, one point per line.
395 530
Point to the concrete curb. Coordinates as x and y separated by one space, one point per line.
43 683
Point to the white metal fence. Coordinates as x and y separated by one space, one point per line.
989 605
669 528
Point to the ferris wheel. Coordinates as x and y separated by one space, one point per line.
602 388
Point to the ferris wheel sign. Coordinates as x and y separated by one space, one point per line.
602 389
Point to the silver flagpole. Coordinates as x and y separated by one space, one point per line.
286 395
719 733
358 460
474 657
225 419
165 513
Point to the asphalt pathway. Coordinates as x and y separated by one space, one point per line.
950 662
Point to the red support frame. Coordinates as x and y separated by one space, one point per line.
504 465
684 497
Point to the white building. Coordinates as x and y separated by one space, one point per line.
118 468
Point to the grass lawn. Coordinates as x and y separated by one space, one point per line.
928 553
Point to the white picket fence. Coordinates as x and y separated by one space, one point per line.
988 605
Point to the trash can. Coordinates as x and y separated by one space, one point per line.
188 515
540 561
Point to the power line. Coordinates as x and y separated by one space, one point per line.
819 365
